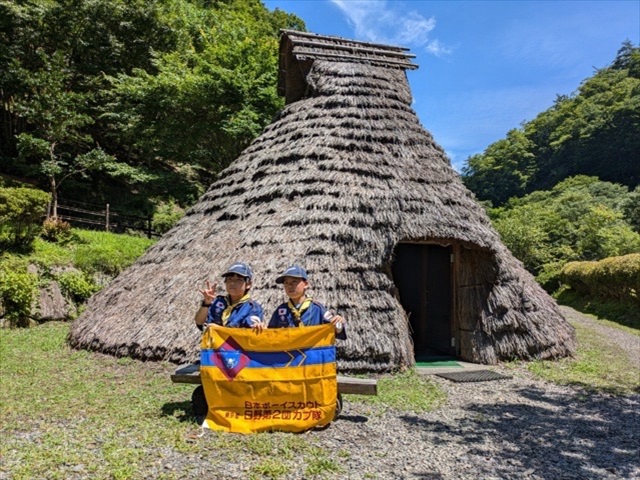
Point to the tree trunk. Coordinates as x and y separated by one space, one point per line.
54 197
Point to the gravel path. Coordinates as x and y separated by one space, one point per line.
519 428
629 343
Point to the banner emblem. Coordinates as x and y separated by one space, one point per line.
230 359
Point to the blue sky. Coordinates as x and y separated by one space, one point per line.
485 66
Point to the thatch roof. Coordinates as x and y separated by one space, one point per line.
335 183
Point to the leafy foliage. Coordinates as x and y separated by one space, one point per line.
17 291
134 103
631 209
21 213
78 286
616 278
581 218
56 230
595 132
166 216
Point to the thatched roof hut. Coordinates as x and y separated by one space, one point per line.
347 183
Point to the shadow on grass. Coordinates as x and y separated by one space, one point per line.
589 435
180 410
623 313
602 389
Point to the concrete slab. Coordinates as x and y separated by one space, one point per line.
464 366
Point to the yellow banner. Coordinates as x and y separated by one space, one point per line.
278 379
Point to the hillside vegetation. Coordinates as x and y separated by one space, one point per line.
581 218
594 132
564 186
52 278
134 103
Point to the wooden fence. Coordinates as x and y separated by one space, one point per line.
103 219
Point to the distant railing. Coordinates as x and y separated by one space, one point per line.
102 219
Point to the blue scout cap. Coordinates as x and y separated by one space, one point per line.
239 268
292 271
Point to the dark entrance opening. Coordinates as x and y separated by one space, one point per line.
422 274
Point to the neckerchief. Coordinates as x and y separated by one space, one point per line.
227 311
297 312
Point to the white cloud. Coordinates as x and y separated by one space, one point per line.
376 21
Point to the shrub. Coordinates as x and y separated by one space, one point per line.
77 285
21 212
602 234
17 290
56 230
166 216
549 277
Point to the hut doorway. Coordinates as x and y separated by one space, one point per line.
422 274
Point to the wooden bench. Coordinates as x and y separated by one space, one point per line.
346 385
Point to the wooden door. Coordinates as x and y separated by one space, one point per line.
422 274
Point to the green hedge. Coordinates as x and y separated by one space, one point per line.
616 278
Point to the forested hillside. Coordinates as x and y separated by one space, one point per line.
581 218
564 186
138 103
594 132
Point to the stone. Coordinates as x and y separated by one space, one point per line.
52 304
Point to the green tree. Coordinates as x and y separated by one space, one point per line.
207 100
524 231
21 213
134 102
602 234
503 171
581 218
631 209
56 147
595 132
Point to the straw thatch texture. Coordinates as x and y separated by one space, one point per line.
335 183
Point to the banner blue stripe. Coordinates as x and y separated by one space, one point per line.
290 358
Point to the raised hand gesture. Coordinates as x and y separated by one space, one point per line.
209 292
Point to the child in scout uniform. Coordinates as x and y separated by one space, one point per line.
236 309
301 310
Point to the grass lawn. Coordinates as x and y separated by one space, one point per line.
76 414
599 364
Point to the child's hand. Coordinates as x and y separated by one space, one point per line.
257 325
338 322
209 293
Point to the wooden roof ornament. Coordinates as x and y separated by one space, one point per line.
347 183
298 50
